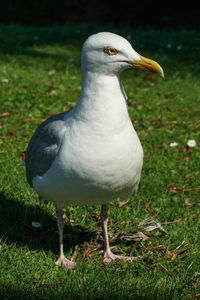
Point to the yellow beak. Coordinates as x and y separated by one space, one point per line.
148 64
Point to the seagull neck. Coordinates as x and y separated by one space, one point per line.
102 95
100 83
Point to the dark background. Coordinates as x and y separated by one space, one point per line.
128 12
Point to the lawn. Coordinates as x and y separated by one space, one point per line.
40 75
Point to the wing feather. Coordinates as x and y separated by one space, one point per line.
44 146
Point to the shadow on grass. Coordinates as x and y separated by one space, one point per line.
25 58
52 292
16 230
16 227
21 41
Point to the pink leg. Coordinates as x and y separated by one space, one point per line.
107 254
62 260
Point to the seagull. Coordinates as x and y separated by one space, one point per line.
91 155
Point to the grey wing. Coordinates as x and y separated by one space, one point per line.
44 146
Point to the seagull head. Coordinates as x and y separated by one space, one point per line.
109 54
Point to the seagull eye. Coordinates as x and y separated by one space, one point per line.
111 51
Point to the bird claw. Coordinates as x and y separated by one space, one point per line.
62 260
109 256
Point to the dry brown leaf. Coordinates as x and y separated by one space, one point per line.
5 114
140 234
51 94
33 120
121 203
189 176
7 137
95 216
191 203
186 158
149 209
139 102
150 224
143 130
147 265
175 189
173 222
137 236
184 150
22 155
192 189
171 256
193 296
50 113
152 247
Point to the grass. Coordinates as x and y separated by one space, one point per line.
40 75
